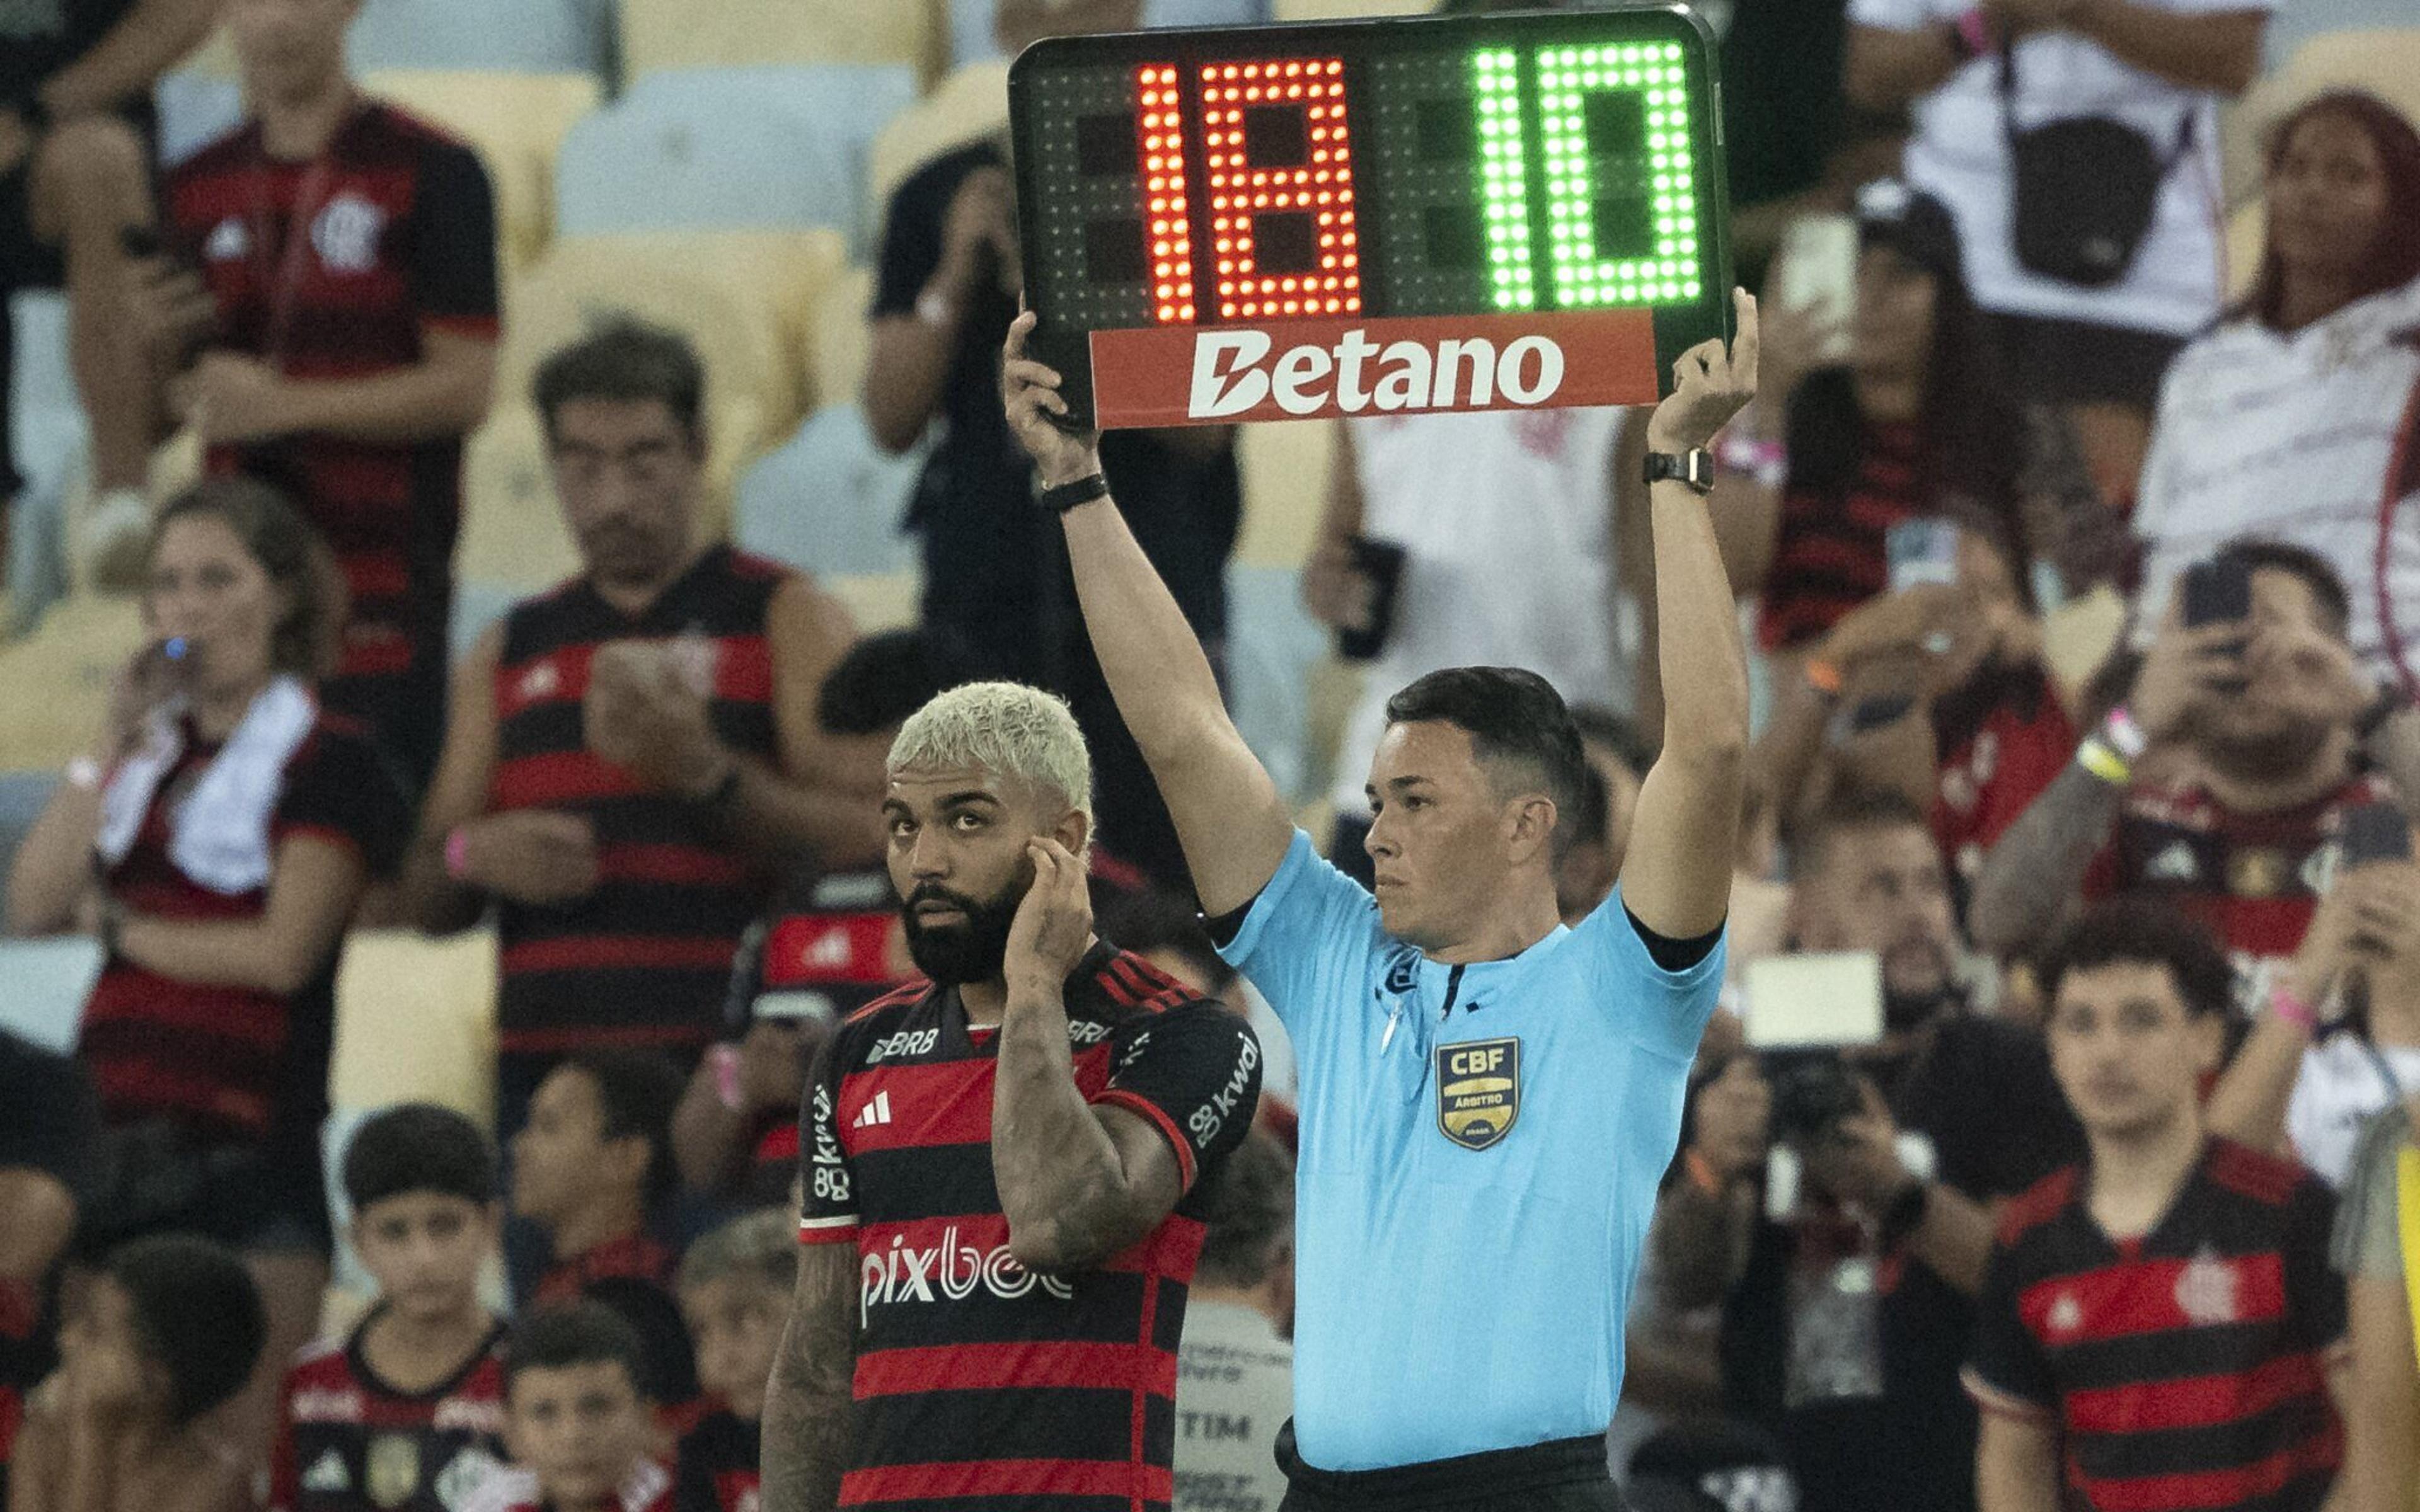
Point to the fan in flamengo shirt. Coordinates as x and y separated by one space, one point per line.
355 1441
1003 1200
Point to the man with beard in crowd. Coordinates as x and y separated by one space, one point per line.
1016 1149
1845 1324
2260 725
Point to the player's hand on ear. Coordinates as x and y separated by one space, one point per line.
1710 386
1054 924
1029 392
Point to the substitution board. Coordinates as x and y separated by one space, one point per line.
1392 216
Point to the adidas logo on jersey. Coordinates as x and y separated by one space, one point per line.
327 1473
877 1111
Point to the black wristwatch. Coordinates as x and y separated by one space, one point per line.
1694 467
1066 496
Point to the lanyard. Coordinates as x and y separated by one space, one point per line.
284 282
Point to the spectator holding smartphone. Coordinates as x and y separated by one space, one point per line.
1831 456
1936 691
2338 1039
2283 420
2221 780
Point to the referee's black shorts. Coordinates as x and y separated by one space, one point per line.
1563 1475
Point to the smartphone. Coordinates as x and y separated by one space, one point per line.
2217 592
1819 269
1804 1002
2375 832
1921 551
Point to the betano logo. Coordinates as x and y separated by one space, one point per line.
1231 373
1328 369
949 1270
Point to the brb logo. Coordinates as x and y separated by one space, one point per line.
948 1270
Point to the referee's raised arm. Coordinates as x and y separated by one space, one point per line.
1229 817
1676 879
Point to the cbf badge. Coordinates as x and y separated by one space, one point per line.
1479 1090
392 1469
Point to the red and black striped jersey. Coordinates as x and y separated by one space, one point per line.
2185 1370
636 1257
348 1442
339 269
646 958
717 1470
230 1060
980 1382
2255 879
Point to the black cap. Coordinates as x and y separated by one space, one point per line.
1912 223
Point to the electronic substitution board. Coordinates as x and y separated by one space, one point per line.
1394 216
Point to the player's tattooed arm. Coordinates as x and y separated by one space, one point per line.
2030 881
1078 1182
807 1408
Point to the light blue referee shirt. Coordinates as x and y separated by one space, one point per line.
1481 1149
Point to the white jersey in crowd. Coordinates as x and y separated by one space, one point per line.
1960 154
2344 1083
2291 436
1235 1387
1507 521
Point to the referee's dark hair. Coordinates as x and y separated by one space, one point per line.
586 1332
418 1146
199 1315
629 360
637 1091
1516 719
2137 932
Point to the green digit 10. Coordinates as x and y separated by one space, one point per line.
1618 176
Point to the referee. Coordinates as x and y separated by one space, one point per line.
1488 1097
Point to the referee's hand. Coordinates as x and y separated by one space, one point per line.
1710 385
1029 392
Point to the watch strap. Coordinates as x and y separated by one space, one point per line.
1695 468
1066 496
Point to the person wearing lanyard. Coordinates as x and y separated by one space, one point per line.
325 317
1489 1097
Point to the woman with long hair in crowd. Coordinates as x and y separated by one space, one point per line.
217 841
2285 420
1916 420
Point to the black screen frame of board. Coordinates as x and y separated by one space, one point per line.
1062 341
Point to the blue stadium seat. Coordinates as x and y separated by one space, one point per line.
194 110
829 500
535 36
48 425
48 981
772 146
21 796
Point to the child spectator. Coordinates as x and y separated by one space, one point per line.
2159 1321
407 1412
170 1329
593 1161
735 1289
576 1418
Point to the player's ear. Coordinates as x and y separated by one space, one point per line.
1074 830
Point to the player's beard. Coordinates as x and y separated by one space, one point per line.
953 955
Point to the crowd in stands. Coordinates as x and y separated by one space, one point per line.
2082 574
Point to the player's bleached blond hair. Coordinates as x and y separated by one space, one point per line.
1006 729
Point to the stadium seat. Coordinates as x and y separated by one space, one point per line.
843 338
22 795
54 683
517 121
193 109
732 148
881 601
48 981
688 33
970 104
2247 234
53 451
829 500
524 36
416 1021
